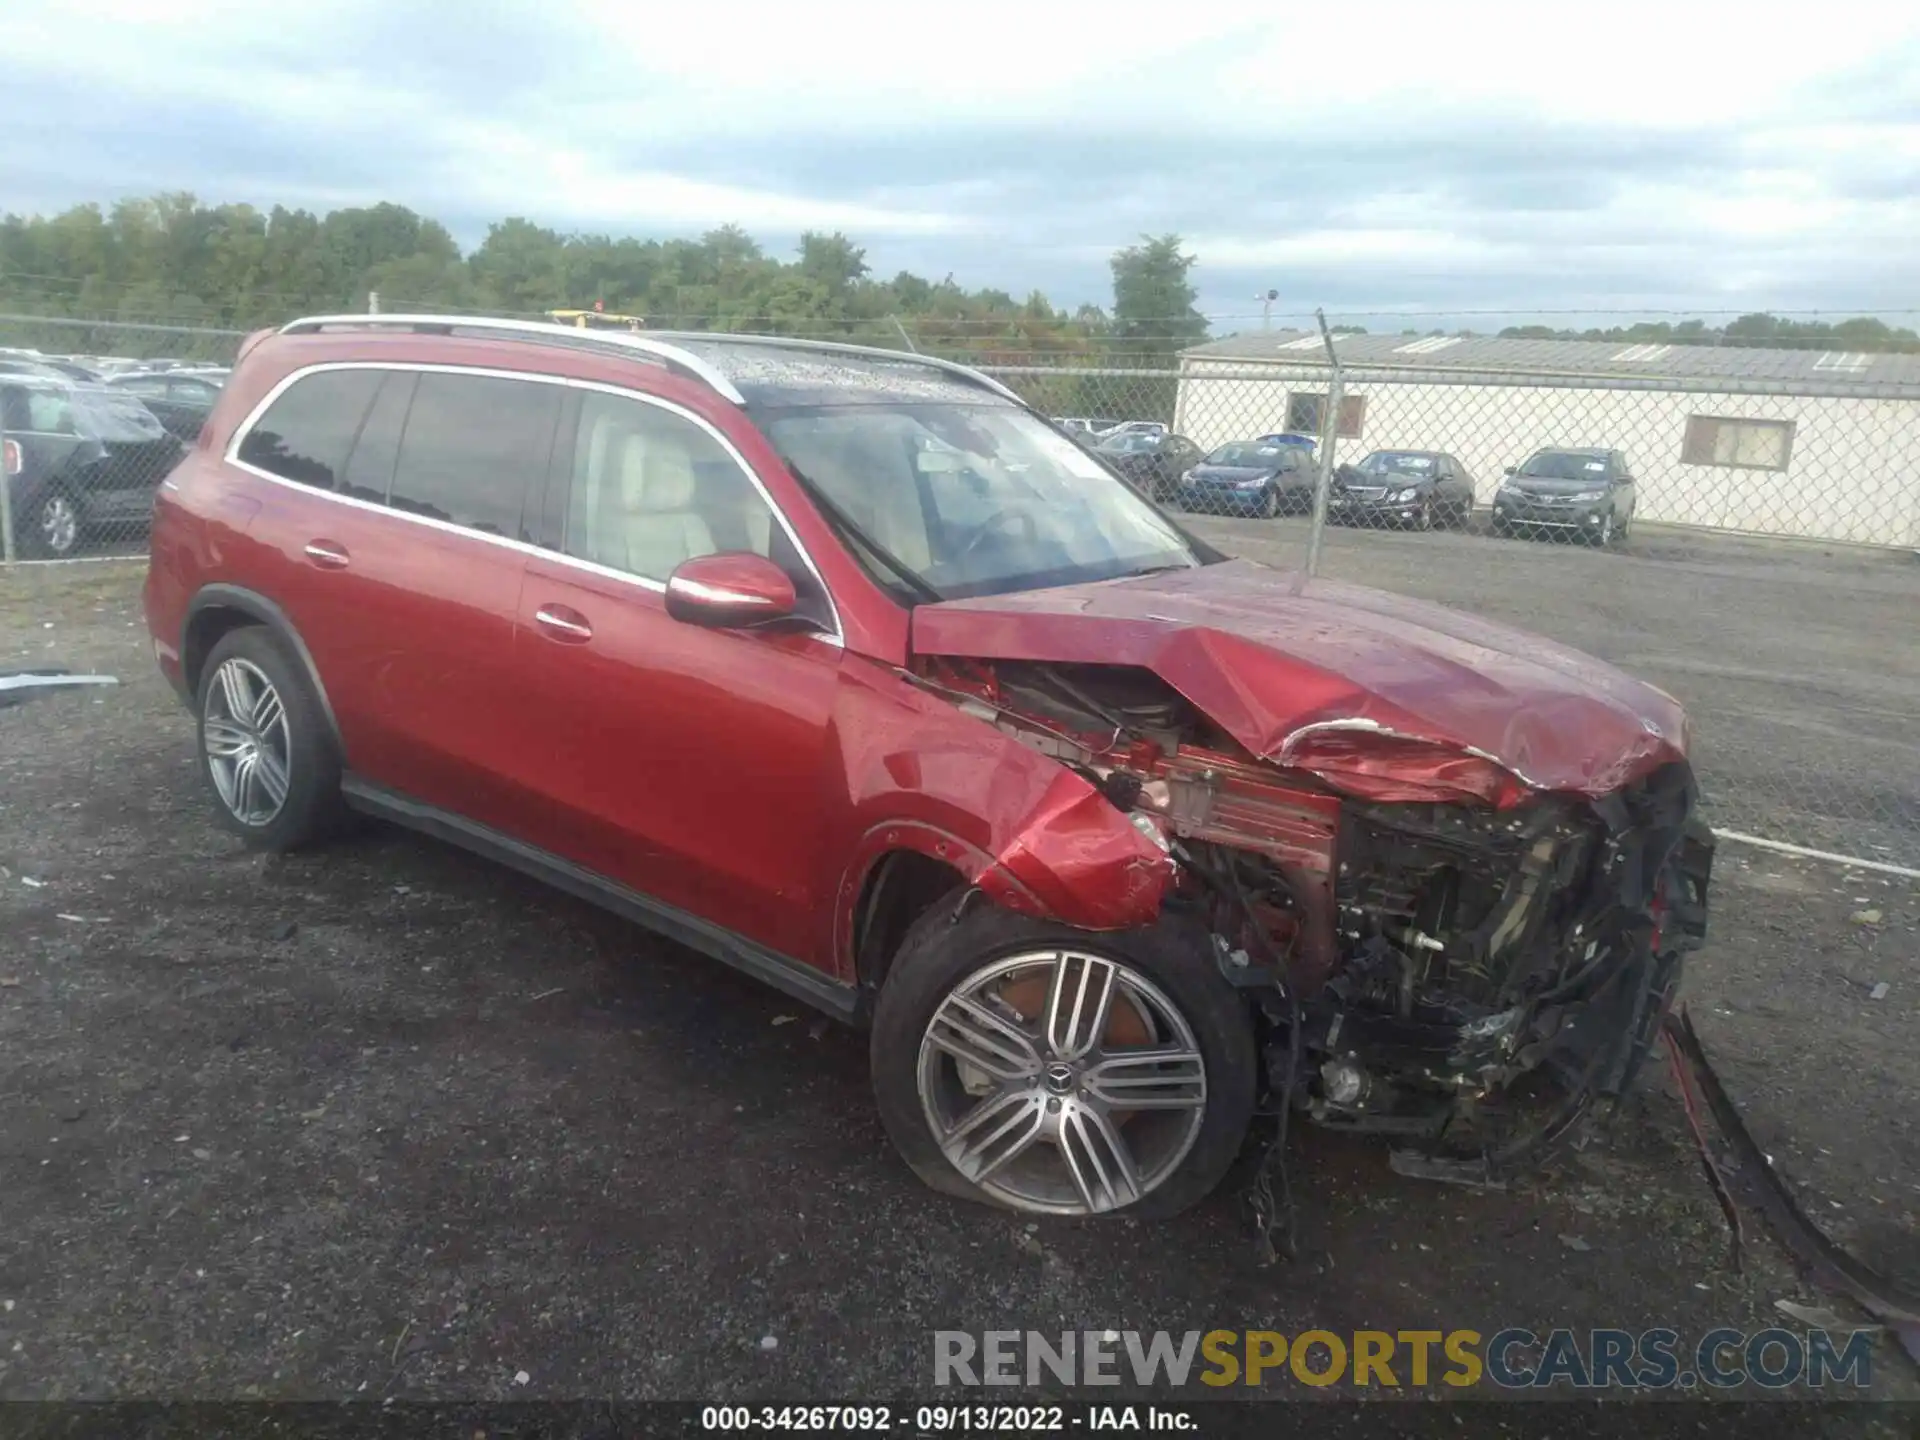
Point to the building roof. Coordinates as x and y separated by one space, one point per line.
1689 365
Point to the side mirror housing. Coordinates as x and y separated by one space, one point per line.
726 592
1511 470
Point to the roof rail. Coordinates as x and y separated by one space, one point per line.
564 336
835 347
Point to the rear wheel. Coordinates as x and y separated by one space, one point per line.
53 526
1054 1071
266 751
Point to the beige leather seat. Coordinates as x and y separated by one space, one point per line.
656 526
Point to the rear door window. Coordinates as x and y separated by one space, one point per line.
473 448
369 469
305 435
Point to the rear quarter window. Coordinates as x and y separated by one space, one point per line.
306 433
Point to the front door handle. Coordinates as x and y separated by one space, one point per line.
326 555
563 623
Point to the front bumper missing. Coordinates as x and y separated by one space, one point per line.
1746 1174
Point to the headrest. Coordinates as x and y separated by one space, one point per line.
670 484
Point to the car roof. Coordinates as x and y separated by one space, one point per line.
1573 450
751 370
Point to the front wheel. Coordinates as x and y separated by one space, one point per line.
1269 503
1054 1071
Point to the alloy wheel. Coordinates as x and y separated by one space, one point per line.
245 734
1062 1082
59 524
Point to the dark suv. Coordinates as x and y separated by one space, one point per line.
1579 494
848 669
77 457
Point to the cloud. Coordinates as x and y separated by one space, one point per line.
1409 158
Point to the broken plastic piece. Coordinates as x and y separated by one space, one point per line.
17 686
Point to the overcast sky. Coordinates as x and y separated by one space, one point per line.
1363 156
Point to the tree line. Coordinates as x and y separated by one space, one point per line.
169 259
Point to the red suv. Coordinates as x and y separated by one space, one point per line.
848 669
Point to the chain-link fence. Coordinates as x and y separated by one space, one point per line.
1737 525
93 414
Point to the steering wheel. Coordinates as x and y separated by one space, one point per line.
1001 519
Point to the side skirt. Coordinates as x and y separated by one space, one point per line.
784 973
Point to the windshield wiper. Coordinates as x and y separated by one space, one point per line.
852 532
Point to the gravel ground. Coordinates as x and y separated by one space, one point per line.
383 1120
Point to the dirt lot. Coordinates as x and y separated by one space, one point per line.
384 1120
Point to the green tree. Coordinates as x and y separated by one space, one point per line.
1153 300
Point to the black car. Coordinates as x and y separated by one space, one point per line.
1152 464
180 399
1250 477
1417 488
77 457
1584 494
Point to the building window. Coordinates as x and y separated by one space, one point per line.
1305 412
1739 444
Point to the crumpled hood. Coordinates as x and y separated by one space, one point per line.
1274 662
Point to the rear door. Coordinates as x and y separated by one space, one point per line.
399 556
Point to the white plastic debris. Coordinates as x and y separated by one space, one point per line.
769 1342
785 1019
1879 992
521 1377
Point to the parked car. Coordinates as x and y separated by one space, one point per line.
180 399
1249 477
1417 488
77 457
1584 492
1287 437
847 669
1152 464
1134 427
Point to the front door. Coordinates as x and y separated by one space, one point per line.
691 765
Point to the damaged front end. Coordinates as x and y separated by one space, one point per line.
1468 973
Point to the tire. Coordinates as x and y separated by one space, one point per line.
53 525
1161 981
1424 519
1269 503
246 667
1606 537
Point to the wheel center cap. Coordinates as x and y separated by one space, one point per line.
1059 1077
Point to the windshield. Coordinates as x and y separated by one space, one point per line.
1397 462
1247 455
1565 465
1133 442
975 500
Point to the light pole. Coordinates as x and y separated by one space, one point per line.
1266 299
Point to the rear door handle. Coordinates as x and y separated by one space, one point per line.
563 623
326 555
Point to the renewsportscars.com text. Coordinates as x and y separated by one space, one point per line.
1656 1359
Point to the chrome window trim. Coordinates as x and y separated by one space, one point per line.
231 456
615 339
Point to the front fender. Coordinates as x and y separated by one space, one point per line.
1035 836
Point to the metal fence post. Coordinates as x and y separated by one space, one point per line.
8 449
1329 436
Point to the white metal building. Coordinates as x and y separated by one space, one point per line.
1773 442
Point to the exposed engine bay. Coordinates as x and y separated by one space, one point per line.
1435 952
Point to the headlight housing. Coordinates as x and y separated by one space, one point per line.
1408 493
1583 497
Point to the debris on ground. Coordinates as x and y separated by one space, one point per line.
1820 1318
1879 992
785 1019
1865 917
19 686
1575 1243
